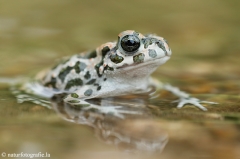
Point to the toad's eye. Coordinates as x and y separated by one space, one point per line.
130 43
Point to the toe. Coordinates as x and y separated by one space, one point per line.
181 104
200 106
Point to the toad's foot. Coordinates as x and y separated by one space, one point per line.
194 101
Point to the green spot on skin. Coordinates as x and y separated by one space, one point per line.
87 75
79 66
161 46
152 53
99 87
88 92
73 101
97 66
64 72
76 67
138 58
74 95
116 59
51 83
92 54
147 42
91 82
108 68
74 82
105 50
95 84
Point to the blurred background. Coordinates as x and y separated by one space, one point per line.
204 37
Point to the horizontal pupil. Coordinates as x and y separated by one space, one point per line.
130 42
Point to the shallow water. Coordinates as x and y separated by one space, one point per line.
134 126
205 63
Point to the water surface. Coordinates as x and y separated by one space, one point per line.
204 37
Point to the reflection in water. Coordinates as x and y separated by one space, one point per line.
122 121
22 96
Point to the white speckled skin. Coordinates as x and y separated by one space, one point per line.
125 77
113 69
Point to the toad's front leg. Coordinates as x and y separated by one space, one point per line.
184 98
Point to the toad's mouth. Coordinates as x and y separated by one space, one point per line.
157 61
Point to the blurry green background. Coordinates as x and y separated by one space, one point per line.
203 35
